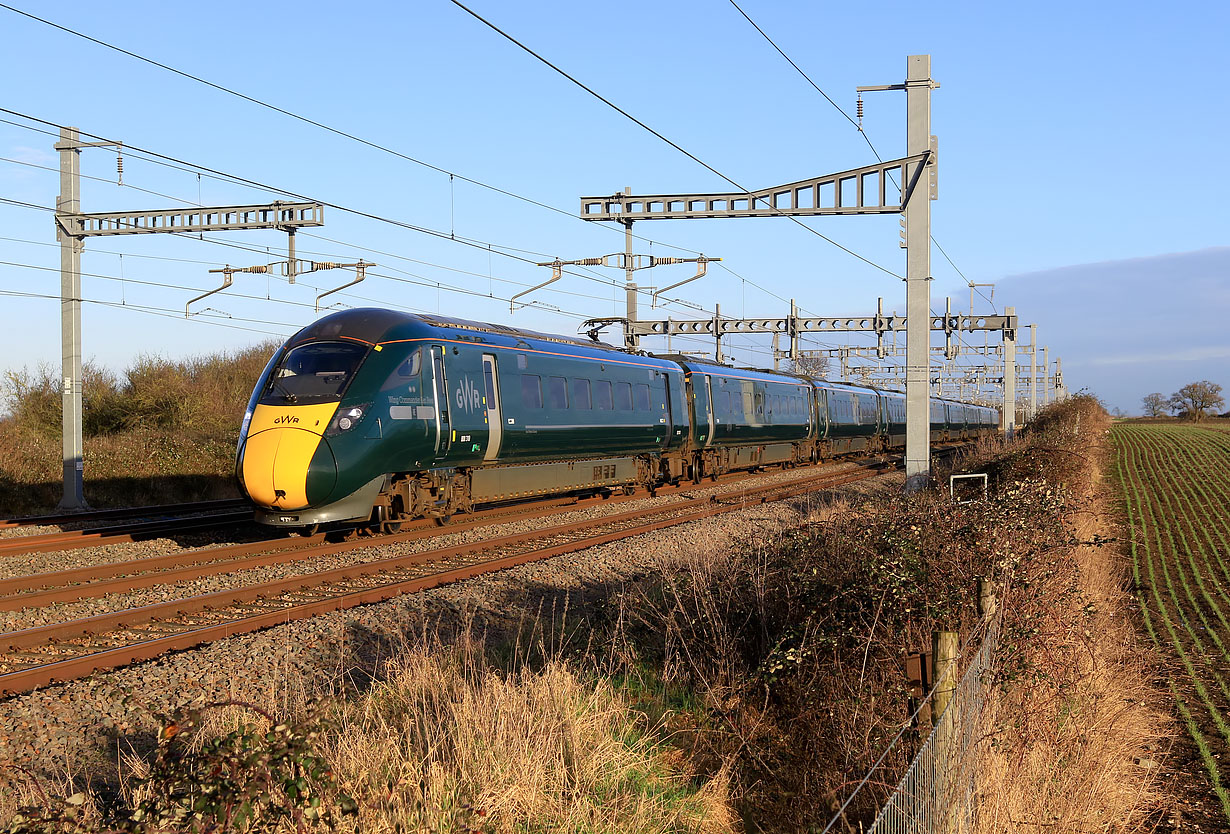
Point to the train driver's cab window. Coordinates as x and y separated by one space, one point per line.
315 372
413 364
531 391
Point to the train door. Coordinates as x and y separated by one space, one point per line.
444 429
668 414
495 422
709 399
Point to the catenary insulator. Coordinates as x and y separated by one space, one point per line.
119 167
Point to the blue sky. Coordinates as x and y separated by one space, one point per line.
1080 165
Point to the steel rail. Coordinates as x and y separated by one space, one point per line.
100 536
80 583
118 618
145 647
123 512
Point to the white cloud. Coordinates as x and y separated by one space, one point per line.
36 156
1196 354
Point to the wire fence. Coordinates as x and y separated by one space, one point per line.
939 792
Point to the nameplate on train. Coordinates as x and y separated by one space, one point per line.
412 412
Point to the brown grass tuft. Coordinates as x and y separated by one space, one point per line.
448 740
1070 744
164 432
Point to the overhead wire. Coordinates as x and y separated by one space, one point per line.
848 118
96 179
499 249
160 311
873 150
659 135
313 122
667 140
423 280
451 235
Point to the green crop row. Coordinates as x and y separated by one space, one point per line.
1175 483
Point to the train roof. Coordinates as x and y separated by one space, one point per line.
714 369
374 325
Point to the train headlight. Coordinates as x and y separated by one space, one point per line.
346 420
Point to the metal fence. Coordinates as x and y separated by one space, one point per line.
938 794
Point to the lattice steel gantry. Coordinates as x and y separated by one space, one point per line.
73 227
856 191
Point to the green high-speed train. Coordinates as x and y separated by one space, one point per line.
370 417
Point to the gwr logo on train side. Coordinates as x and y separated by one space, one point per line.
285 419
467 396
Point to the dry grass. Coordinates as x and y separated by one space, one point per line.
449 741
753 687
1062 746
446 741
163 432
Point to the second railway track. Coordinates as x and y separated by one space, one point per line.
67 650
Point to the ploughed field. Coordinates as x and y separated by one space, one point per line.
1175 482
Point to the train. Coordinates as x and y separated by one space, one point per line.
369 417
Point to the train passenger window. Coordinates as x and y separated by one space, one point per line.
747 404
728 407
580 394
602 395
642 397
521 362
531 391
758 399
623 396
412 365
557 392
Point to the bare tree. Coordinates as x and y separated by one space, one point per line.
1196 398
810 364
1156 404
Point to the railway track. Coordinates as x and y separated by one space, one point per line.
117 534
57 652
123 512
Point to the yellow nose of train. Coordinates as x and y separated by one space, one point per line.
282 443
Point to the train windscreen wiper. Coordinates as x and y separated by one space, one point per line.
275 385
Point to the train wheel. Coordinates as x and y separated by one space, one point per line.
307 531
442 520
393 522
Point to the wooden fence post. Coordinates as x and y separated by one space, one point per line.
986 598
944 714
